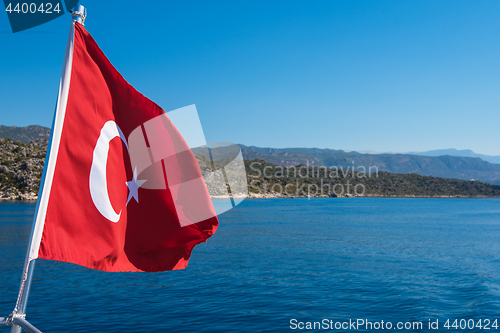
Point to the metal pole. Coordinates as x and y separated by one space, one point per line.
22 298
17 318
25 325
79 13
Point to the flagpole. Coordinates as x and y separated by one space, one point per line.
17 318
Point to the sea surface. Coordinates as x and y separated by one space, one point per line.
276 265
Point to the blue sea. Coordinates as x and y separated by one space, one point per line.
283 265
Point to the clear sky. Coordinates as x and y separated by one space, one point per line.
380 75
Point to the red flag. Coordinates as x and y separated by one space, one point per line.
122 190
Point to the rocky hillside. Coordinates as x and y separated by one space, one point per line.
21 166
24 134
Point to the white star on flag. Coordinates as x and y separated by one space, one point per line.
133 187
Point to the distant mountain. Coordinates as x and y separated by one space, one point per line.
446 163
462 153
367 152
24 134
21 167
456 167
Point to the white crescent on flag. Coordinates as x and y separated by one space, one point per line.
97 179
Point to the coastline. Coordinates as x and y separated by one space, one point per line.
5 196
31 197
278 196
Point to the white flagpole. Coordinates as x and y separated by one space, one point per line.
17 318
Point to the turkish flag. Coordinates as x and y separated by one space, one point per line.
122 189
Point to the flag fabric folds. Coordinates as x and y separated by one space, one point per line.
111 196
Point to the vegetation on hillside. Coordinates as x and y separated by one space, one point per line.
268 179
24 134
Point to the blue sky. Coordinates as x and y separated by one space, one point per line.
379 75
